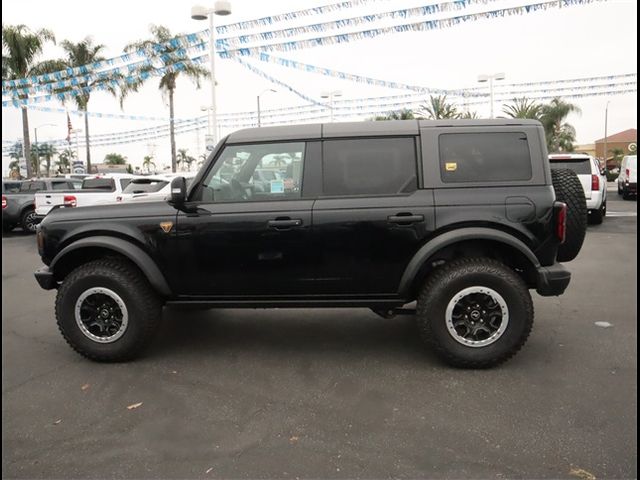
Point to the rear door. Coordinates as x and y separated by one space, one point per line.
371 217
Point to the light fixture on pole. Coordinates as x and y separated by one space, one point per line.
606 114
199 12
490 79
331 96
37 147
263 92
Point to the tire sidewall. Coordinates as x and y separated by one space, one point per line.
518 325
25 224
71 330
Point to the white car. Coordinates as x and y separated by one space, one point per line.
628 178
96 190
153 188
592 178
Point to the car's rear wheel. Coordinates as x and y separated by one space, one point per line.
569 190
597 216
107 311
475 312
28 221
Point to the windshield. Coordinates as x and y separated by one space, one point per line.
145 186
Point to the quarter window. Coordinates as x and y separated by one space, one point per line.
484 157
371 166
257 172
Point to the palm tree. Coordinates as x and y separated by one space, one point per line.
560 135
47 150
469 115
147 162
438 108
65 158
78 54
115 159
162 54
404 114
523 108
20 49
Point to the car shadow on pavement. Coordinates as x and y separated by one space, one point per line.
279 331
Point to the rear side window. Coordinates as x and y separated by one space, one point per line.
580 166
484 157
371 166
145 186
106 184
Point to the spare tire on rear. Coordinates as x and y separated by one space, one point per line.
569 190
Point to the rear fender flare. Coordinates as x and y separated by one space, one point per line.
456 236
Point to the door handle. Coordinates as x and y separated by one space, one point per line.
284 223
405 218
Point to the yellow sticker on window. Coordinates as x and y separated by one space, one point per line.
451 166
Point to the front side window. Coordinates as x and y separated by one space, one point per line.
484 157
259 172
371 166
32 186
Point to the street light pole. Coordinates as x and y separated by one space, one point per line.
490 78
258 98
330 96
606 114
201 13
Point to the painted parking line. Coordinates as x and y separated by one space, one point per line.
621 214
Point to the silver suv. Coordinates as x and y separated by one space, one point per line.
592 178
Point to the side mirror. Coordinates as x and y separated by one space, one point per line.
603 171
178 192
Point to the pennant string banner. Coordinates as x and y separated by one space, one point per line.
339 112
425 10
199 38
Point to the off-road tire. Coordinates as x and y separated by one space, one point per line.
447 281
569 190
143 305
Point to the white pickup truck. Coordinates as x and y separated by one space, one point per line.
96 190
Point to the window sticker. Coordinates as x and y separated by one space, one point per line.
451 166
277 186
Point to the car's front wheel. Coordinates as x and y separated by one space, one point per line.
107 311
475 312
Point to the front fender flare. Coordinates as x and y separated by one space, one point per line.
455 236
134 253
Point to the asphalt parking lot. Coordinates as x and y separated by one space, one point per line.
329 393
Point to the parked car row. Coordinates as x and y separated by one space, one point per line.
26 203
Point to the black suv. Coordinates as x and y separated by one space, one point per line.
459 215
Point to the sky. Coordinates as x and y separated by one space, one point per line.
599 39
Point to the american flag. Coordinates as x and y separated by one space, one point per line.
69 128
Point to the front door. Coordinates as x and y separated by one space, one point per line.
250 232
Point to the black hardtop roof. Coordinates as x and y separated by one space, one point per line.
355 129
